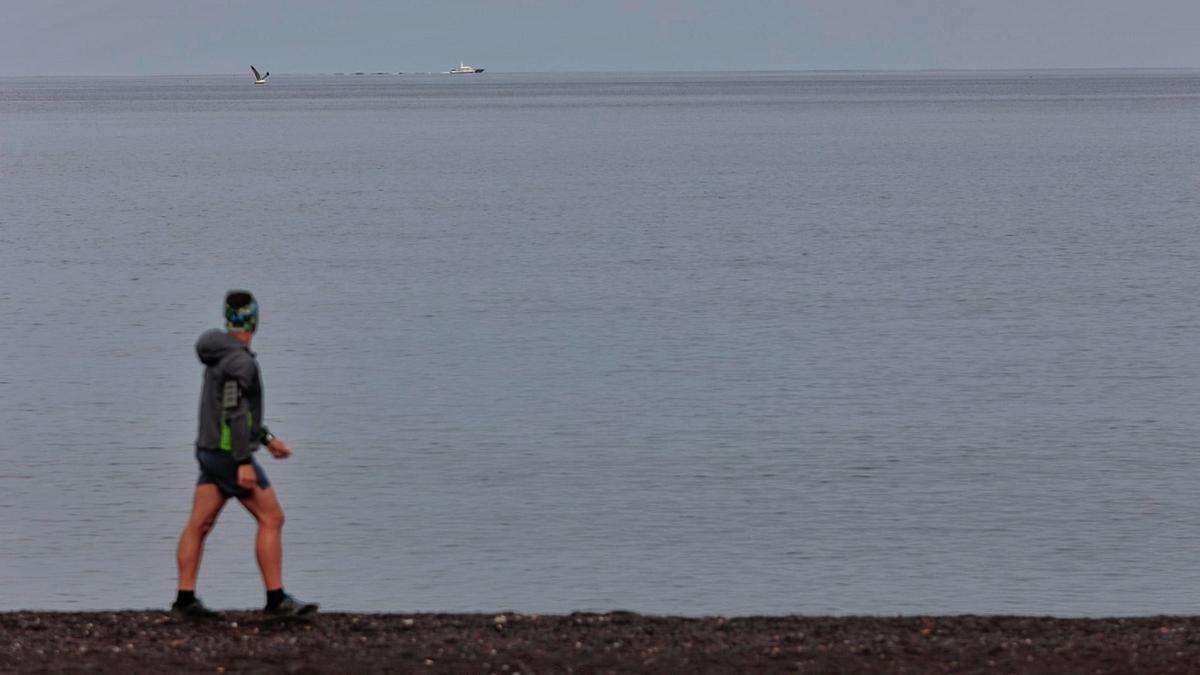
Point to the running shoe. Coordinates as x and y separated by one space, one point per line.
194 610
292 606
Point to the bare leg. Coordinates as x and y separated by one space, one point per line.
206 506
264 506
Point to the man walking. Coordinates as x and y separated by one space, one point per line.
231 429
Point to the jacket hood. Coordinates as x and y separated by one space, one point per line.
215 345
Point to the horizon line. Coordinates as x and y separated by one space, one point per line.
646 72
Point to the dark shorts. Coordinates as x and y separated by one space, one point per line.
218 468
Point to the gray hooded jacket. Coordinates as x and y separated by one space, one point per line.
231 402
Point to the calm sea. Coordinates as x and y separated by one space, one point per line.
731 343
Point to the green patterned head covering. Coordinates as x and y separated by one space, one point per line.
241 311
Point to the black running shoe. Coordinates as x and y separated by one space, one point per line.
193 610
292 606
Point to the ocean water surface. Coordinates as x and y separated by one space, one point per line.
703 343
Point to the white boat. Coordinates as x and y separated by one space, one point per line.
464 68
259 79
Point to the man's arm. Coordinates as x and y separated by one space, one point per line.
238 421
241 376
236 414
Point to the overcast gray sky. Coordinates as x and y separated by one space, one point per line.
165 37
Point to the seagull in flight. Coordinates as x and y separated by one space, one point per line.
259 79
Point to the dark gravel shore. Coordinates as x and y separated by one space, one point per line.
619 642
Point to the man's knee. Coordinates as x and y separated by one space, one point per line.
272 518
201 526
265 508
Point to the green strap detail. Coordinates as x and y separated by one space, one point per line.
227 433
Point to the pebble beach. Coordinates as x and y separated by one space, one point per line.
617 642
